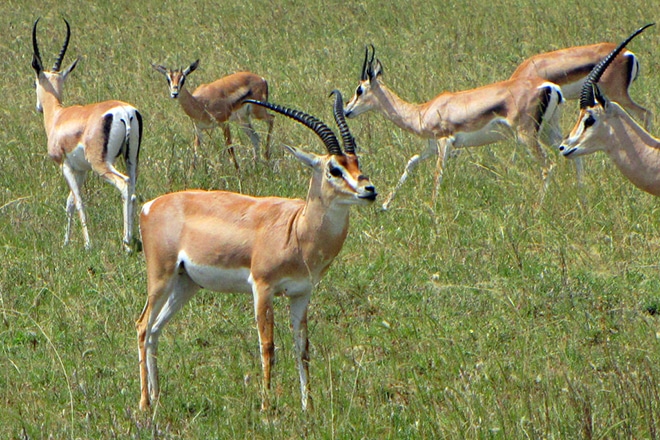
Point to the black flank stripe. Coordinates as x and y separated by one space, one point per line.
543 106
107 125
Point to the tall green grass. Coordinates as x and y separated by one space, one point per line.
485 315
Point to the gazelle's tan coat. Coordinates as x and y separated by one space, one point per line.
603 125
569 67
88 137
222 101
266 246
524 108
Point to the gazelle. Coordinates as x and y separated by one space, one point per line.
267 246
219 102
89 137
569 67
528 108
603 125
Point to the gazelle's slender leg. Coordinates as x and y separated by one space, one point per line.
298 316
444 147
230 148
75 180
263 311
155 315
430 150
252 134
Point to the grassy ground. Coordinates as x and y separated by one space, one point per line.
485 315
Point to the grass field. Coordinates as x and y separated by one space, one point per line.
484 315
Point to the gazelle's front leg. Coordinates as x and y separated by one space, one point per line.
263 311
430 150
298 315
230 148
75 179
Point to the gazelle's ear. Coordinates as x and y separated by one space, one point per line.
191 68
600 98
309 159
70 68
377 70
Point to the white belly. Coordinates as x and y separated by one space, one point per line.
495 131
216 278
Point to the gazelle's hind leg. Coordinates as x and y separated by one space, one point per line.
75 180
254 137
163 302
298 316
444 147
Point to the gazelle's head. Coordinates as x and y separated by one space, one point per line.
342 180
593 129
51 82
364 99
175 78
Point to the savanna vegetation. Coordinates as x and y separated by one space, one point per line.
487 314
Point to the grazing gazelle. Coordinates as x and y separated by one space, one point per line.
525 108
604 126
87 137
220 102
267 246
569 67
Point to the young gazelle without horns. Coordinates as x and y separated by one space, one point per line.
220 102
267 246
88 137
525 107
604 126
569 68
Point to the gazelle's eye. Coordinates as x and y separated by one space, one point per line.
358 91
589 121
335 172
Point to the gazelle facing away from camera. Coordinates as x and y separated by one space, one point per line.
221 102
524 108
87 137
569 68
267 246
604 126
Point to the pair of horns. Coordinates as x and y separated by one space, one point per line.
321 129
368 65
590 90
35 48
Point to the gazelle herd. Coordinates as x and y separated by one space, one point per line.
269 246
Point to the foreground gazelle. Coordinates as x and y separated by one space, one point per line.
89 137
526 108
604 126
221 101
569 67
266 246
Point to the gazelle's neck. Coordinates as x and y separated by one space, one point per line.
404 114
321 227
192 106
51 105
637 153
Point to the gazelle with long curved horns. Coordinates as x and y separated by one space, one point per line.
569 68
87 137
267 246
604 126
524 108
221 102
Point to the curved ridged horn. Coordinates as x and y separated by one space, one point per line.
60 57
36 59
588 94
363 76
346 136
323 131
